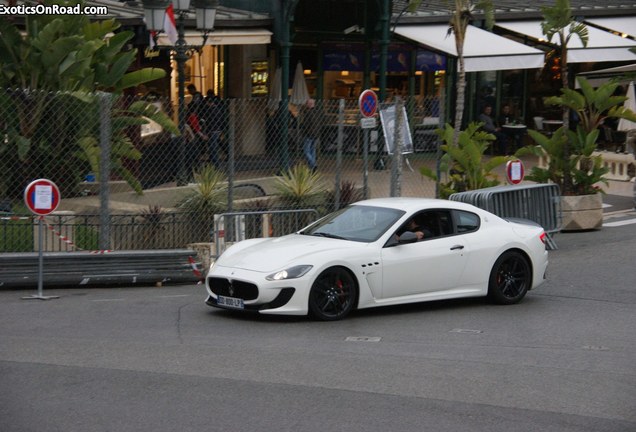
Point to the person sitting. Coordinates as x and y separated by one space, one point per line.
514 135
505 116
413 226
489 126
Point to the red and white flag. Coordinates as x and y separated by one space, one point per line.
169 27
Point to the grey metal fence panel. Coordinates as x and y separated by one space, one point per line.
233 227
540 203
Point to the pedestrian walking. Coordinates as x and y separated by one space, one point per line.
213 124
195 134
311 122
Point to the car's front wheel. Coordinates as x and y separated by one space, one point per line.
510 278
333 295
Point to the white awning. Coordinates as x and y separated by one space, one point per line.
224 37
598 77
601 45
624 25
483 50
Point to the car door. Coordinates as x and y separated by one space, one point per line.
430 265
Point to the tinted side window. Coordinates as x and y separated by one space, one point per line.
466 221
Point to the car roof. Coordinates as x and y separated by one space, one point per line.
413 204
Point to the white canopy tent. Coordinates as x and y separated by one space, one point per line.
601 46
483 50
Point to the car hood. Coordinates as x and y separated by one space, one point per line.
273 254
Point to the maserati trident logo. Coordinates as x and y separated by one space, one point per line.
230 288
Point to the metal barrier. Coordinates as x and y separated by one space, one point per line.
540 203
237 226
73 269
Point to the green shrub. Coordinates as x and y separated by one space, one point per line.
207 199
300 187
464 165
86 238
16 236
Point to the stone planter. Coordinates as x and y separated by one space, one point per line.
582 212
204 253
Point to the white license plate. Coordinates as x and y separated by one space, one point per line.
231 302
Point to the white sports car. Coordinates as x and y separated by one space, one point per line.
372 254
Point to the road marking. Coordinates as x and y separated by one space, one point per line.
618 213
363 339
619 223
595 348
468 331
109 300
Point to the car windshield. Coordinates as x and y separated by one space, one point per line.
357 223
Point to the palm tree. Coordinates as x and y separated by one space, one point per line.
413 5
462 15
558 21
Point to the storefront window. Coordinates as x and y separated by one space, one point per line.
260 77
512 92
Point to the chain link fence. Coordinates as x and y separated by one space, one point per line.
128 183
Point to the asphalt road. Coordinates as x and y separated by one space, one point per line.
158 359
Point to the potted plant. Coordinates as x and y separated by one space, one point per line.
567 157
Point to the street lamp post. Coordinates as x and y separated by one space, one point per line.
154 12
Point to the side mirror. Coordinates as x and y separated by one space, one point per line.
408 237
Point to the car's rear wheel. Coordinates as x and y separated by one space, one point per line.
333 295
510 278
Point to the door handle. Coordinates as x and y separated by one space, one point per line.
457 247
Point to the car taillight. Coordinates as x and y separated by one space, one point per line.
542 237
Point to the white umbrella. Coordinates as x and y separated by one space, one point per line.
625 125
274 91
299 93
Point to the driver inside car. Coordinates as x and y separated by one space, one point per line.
413 226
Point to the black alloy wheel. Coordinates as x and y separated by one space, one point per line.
333 295
510 278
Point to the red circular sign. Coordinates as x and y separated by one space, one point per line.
368 103
42 197
514 171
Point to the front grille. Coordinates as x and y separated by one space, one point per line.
233 288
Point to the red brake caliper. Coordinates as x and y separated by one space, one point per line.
340 286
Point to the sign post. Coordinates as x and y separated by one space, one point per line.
42 197
514 172
368 103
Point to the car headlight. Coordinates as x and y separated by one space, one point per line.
290 273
